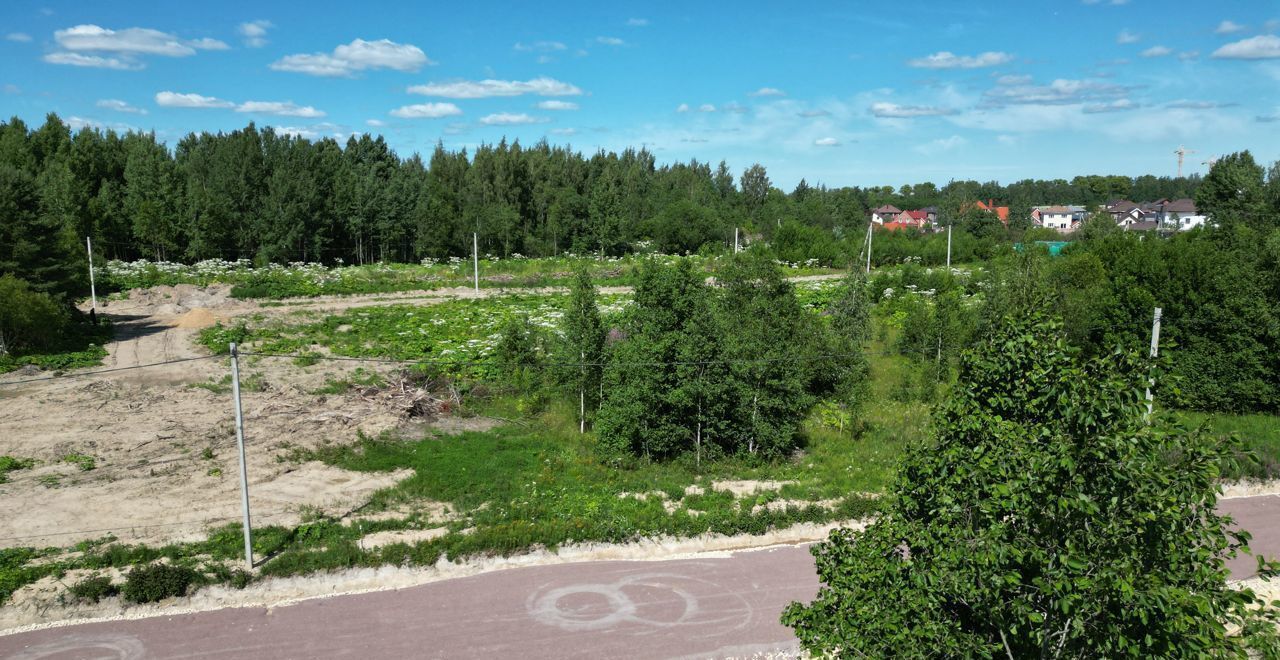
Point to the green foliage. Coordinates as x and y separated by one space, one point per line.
518 353
1044 518
82 461
583 343
16 570
1233 192
30 320
156 582
9 464
93 589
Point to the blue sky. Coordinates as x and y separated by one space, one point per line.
857 93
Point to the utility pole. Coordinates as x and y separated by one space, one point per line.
475 257
948 247
93 292
244 473
582 393
870 225
735 240
1155 351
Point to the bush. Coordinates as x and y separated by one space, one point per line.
29 320
93 589
148 584
1045 518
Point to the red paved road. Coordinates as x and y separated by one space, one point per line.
701 608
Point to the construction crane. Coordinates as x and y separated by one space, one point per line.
1182 151
1213 160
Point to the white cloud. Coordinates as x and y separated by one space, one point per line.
809 114
427 111
1058 92
254 33
359 55
1197 105
12 89
1010 79
540 46
480 89
20 37
734 107
610 41
557 105
1188 55
137 41
826 142
177 100
768 91
949 60
94 61
564 131
120 106
281 108
942 144
1261 47
1228 27
683 107
1118 105
707 107
638 22
509 119
78 123
1008 140
376 123
1157 51
1127 37
208 44
886 110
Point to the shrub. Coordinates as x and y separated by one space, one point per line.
29 320
148 584
1045 518
93 589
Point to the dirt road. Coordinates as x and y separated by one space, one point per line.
725 606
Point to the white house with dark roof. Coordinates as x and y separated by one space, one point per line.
886 213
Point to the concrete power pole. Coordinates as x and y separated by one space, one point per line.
93 292
244 472
948 247
870 226
1155 351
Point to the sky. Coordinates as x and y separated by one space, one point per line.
850 93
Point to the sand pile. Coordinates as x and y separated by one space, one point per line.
195 319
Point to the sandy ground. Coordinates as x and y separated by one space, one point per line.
164 452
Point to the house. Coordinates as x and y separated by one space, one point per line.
1143 225
1061 218
886 213
932 213
1123 208
1180 214
1001 212
918 219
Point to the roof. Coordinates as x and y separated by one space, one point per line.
1058 209
887 208
1121 206
917 215
1181 206
1001 212
896 225
1145 225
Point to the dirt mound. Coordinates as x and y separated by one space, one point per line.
171 300
195 319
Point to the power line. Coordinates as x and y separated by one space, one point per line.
605 363
82 374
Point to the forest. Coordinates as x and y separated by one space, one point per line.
275 198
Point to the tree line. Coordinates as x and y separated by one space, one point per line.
273 197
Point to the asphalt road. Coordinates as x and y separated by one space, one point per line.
695 608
